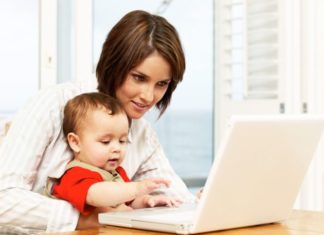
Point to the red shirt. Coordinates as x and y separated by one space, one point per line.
75 183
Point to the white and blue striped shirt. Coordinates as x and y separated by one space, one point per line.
35 149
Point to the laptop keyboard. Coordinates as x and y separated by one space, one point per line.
182 213
171 216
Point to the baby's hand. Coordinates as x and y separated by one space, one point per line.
161 200
121 207
149 185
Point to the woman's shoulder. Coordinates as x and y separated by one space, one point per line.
60 93
61 89
51 99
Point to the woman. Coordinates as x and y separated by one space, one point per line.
141 63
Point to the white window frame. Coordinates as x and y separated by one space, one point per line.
48 43
301 57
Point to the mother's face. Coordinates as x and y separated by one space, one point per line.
144 85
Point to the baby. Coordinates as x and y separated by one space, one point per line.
96 128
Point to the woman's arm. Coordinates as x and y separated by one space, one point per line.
26 209
145 159
23 168
159 166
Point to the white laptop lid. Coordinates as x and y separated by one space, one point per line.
258 170
255 178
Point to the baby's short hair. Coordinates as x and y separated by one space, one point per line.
77 108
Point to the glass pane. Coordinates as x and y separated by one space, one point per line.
18 54
186 129
65 39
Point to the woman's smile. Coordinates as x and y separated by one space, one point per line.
141 107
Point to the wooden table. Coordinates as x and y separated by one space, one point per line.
299 223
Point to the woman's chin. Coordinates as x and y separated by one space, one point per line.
135 115
136 112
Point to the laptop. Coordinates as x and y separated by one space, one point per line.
255 178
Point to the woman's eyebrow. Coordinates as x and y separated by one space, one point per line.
146 76
140 73
166 80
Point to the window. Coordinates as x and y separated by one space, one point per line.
65 38
186 129
249 59
18 54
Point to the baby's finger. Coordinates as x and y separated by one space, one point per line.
151 202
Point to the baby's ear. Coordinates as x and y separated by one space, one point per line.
74 142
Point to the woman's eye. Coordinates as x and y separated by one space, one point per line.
163 83
138 77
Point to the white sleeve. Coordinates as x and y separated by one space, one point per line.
22 157
32 211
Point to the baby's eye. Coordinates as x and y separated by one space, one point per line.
124 141
105 141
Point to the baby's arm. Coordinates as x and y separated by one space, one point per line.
106 194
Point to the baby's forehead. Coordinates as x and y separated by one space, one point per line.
95 111
99 109
91 113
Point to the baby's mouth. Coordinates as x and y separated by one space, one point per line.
114 160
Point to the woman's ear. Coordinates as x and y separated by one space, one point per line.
74 142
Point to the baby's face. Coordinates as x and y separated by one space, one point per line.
103 139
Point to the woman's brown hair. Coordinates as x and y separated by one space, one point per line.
137 35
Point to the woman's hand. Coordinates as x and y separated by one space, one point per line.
199 193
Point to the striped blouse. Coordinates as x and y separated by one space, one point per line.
35 148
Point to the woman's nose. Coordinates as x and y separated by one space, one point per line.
147 93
